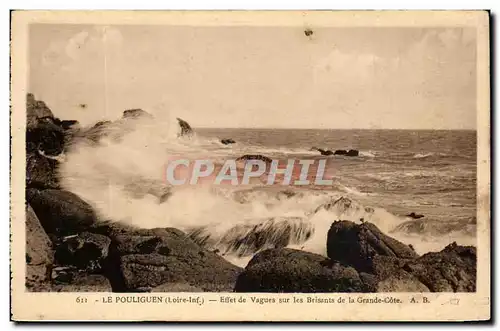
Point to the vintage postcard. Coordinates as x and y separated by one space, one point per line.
250 166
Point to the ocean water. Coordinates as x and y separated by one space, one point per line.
398 172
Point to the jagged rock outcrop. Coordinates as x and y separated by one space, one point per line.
39 253
146 259
357 245
41 171
288 270
387 265
61 212
35 110
451 270
186 129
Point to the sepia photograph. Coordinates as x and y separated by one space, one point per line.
252 158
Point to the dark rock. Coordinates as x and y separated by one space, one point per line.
322 151
45 136
288 270
451 270
186 129
41 171
73 280
39 254
254 157
352 152
340 152
415 216
150 258
68 124
357 245
61 212
136 113
85 251
228 141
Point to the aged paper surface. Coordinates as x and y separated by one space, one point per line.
250 166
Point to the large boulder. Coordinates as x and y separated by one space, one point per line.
288 270
39 253
357 244
41 171
145 259
61 212
451 270
86 251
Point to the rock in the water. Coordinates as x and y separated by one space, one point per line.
322 151
357 244
136 113
288 270
41 171
39 254
415 216
352 152
227 141
254 157
451 270
150 258
85 251
61 212
186 129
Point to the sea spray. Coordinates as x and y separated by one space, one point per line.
121 175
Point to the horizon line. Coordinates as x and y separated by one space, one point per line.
326 129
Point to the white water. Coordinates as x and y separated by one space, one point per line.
122 177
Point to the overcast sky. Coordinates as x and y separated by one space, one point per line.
396 78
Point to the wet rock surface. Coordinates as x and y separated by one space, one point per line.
150 258
289 270
357 245
61 212
39 253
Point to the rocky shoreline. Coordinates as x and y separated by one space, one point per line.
69 248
